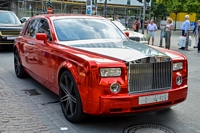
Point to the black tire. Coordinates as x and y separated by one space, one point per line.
19 70
70 99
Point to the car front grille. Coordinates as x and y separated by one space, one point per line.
150 77
10 32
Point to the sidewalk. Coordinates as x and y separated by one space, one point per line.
174 39
15 115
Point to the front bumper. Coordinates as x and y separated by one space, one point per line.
4 42
129 103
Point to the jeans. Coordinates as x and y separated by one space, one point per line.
167 39
199 45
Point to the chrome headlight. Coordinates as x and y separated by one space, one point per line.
115 88
110 72
179 80
177 66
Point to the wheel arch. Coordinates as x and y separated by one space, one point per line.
67 66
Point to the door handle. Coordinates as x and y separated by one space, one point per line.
29 42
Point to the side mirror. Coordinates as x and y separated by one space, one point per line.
42 37
127 33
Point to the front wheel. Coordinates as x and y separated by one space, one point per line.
19 70
69 98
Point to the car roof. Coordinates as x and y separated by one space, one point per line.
59 16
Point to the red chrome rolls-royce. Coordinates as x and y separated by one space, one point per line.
96 69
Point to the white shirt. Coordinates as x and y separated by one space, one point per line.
152 27
168 27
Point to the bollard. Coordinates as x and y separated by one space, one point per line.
161 38
187 41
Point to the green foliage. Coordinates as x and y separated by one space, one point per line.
158 9
176 6
193 6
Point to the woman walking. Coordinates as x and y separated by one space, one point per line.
196 35
168 29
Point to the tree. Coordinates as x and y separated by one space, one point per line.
158 10
188 6
192 7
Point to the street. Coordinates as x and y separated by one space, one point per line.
43 112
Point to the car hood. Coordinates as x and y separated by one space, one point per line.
132 33
124 50
5 26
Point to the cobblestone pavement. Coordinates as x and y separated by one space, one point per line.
21 113
15 115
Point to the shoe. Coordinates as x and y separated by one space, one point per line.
198 51
195 47
182 48
152 44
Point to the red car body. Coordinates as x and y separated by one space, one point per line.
144 78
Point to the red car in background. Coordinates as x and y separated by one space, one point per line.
96 69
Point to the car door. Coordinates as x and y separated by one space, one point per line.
46 50
27 45
41 55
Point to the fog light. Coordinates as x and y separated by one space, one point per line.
115 88
179 80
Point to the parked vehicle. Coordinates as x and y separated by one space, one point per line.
96 69
135 36
10 28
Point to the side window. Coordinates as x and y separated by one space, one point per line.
44 28
32 28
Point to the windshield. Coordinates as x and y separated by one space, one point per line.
70 29
119 25
8 18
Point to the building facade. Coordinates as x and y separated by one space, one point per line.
28 8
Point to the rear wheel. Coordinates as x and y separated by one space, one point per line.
19 70
69 98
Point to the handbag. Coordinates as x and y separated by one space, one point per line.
163 33
147 36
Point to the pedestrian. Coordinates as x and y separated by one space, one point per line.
195 33
198 27
136 26
139 24
126 23
151 29
185 27
168 28
117 18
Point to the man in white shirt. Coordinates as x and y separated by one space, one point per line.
151 28
185 27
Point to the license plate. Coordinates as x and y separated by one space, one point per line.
153 98
11 38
